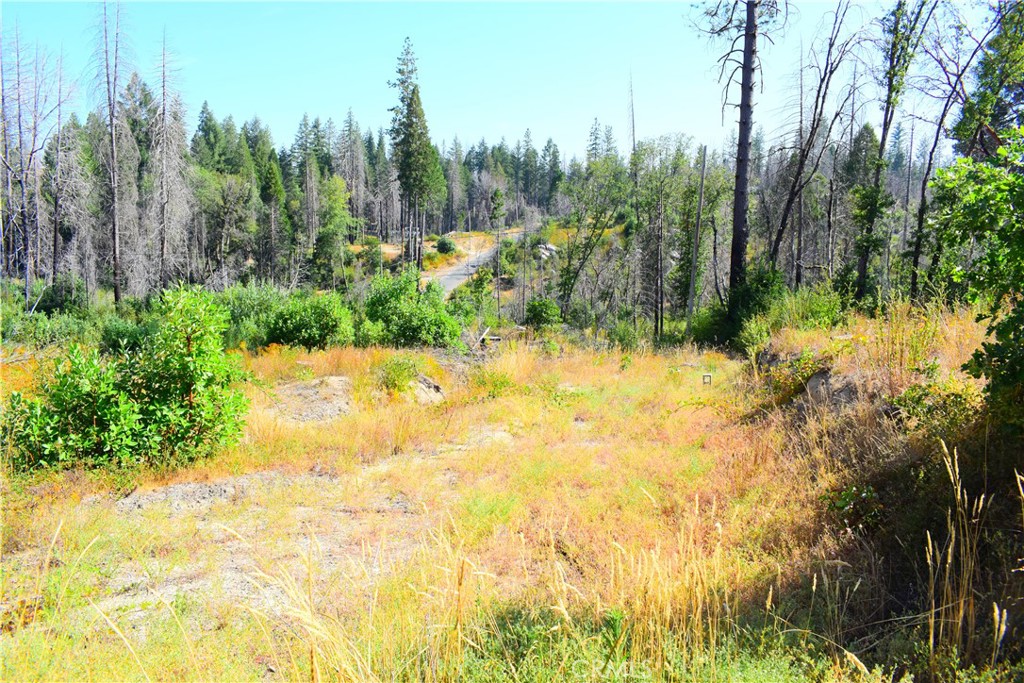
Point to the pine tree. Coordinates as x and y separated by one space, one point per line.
208 141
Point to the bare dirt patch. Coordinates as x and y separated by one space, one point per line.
317 400
259 524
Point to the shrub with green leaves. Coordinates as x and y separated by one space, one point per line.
39 330
313 322
184 379
720 324
541 312
409 317
66 295
446 245
251 307
766 306
396 373
118 335
171 401
941 409
82 415
493 383
624 335
981 209
754 335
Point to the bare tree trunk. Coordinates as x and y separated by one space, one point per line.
22 172
56 175
798 277
659 303
741 194
36 264
110 65
714 260
163 164
6 214
497 268
691 295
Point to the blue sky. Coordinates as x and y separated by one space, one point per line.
485 69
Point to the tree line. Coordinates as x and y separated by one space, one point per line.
841 193
127 200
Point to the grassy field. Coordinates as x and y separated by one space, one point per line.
561 514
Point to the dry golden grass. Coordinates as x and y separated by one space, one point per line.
580 486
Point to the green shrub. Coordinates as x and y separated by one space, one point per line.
39 330
118 335
493 382
66 295
408 316
788 378
184 379
170 402
981 203
579 314
81 416
710 325
754 335
250 309
541 312
510 257
313 322
624 335
395 373
764 306
446 245
370 333
941 409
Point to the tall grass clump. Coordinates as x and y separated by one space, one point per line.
819 307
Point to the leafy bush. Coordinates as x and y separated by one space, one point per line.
474 298
766 306
370 333
941 409
855 507
579 314
408 316
81 416
982 203
788 378
754 335
624 335
709 324
372 257
509 257
39 330
314 322
250 309
66 295
118 335
494 383
183 379
446 245
170 402
395 373
721 325
541 312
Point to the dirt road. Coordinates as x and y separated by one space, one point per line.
479 250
